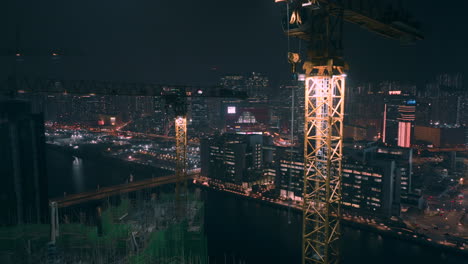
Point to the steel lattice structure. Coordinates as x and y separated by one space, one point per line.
324 114
181 155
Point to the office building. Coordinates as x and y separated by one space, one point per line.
290 172
232 158
403 158
369 153
369 186
198 116
371 189
398 121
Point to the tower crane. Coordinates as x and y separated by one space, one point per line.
320 24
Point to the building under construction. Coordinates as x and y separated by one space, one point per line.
135 228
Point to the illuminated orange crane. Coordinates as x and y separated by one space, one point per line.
320 24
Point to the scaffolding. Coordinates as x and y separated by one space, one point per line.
144 229
172 238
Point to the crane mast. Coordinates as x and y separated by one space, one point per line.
178 102
323 137
181 154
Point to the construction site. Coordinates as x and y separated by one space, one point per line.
142 227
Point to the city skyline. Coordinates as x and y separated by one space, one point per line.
273 131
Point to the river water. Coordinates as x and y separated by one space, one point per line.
244 231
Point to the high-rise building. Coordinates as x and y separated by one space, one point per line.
23 192
233 158
403 158
198 116
291 103
290 171
364 109
445 84
159 115
255 84
371 188
369 153
234 82
398 121
446 111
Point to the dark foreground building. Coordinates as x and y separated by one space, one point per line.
23 188
232 158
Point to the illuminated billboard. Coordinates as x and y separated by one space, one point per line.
231 109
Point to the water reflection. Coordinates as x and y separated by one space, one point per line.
78 174
246 230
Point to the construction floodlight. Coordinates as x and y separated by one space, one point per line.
313 4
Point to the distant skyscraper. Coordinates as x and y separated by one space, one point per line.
23 192
449 83
291 94
448 97
234 82
398 121
255 84
198 111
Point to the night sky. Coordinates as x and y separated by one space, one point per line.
197 41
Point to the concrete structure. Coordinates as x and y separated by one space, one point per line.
23 188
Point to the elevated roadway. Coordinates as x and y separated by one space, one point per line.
105 192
